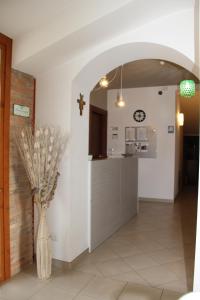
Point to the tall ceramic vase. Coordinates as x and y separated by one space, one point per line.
43 249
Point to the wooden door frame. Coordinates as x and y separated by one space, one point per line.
104 114
6 45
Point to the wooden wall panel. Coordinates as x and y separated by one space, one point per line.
21 208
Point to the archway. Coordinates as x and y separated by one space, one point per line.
84 82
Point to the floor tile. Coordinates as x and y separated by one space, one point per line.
182 269
89 268
82 297
21 287
103 289
100 254
113 267
169 295
180 286
123 248
51 293
139 262
71 281
166 255
132 277
137 292
146 247
157 275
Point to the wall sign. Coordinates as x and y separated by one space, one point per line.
21 110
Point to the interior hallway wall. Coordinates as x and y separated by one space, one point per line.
156 175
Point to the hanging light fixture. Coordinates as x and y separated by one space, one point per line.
187 88
103 82
120 100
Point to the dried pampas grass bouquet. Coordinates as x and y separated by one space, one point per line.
41 151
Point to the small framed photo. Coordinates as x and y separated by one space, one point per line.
170 129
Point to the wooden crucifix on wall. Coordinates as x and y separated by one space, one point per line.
81 103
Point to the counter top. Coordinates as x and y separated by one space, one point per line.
110 157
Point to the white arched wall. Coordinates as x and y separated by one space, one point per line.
57 89
56 92
84 83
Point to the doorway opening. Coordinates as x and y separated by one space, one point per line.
98 132
158 234
190 109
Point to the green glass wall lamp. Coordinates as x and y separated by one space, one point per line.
187 88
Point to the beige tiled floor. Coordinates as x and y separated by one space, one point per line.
150 258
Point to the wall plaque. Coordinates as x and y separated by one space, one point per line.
21 110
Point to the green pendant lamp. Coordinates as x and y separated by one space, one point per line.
187 88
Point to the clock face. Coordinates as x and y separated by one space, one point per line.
139 115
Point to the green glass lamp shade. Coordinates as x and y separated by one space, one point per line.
187 88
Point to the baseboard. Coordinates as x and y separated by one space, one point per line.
65 265
154 200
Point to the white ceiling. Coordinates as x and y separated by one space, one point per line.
41 28
18 17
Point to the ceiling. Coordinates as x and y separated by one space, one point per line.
43 29
29 15
147 73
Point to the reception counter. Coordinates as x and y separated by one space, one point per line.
113 202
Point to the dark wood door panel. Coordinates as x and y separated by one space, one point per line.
98 132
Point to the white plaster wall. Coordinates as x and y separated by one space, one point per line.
156 176
56 94
52 90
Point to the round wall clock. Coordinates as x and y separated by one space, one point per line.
139 115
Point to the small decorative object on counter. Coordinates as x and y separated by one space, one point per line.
41 153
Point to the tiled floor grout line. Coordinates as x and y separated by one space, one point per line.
161 294
122 290
92 279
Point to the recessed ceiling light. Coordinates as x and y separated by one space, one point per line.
162 62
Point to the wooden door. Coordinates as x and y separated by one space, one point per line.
1 178
5 71
98 132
